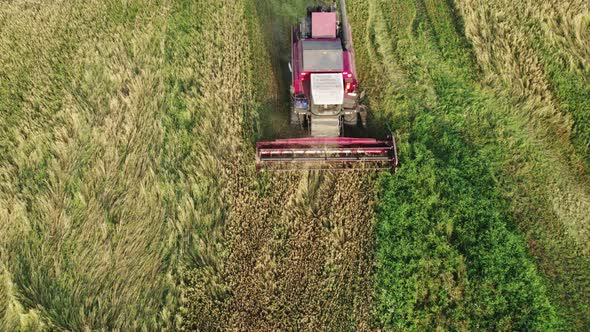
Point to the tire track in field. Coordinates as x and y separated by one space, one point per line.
300 254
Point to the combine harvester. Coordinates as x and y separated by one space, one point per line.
325 101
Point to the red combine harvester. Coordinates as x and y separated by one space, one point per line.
325 100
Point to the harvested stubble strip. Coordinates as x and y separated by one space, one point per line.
307 264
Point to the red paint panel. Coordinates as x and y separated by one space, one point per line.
323 25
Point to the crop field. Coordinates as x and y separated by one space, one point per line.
485 225
129 198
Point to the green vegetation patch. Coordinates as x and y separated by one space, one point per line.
447 255
449 252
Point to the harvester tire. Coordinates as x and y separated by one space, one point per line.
363 115
351 119
294 118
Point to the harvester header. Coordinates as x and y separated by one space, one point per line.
334 153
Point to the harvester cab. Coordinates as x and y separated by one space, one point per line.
325 101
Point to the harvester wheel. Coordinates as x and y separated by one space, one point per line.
351 119
294 118
363 115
